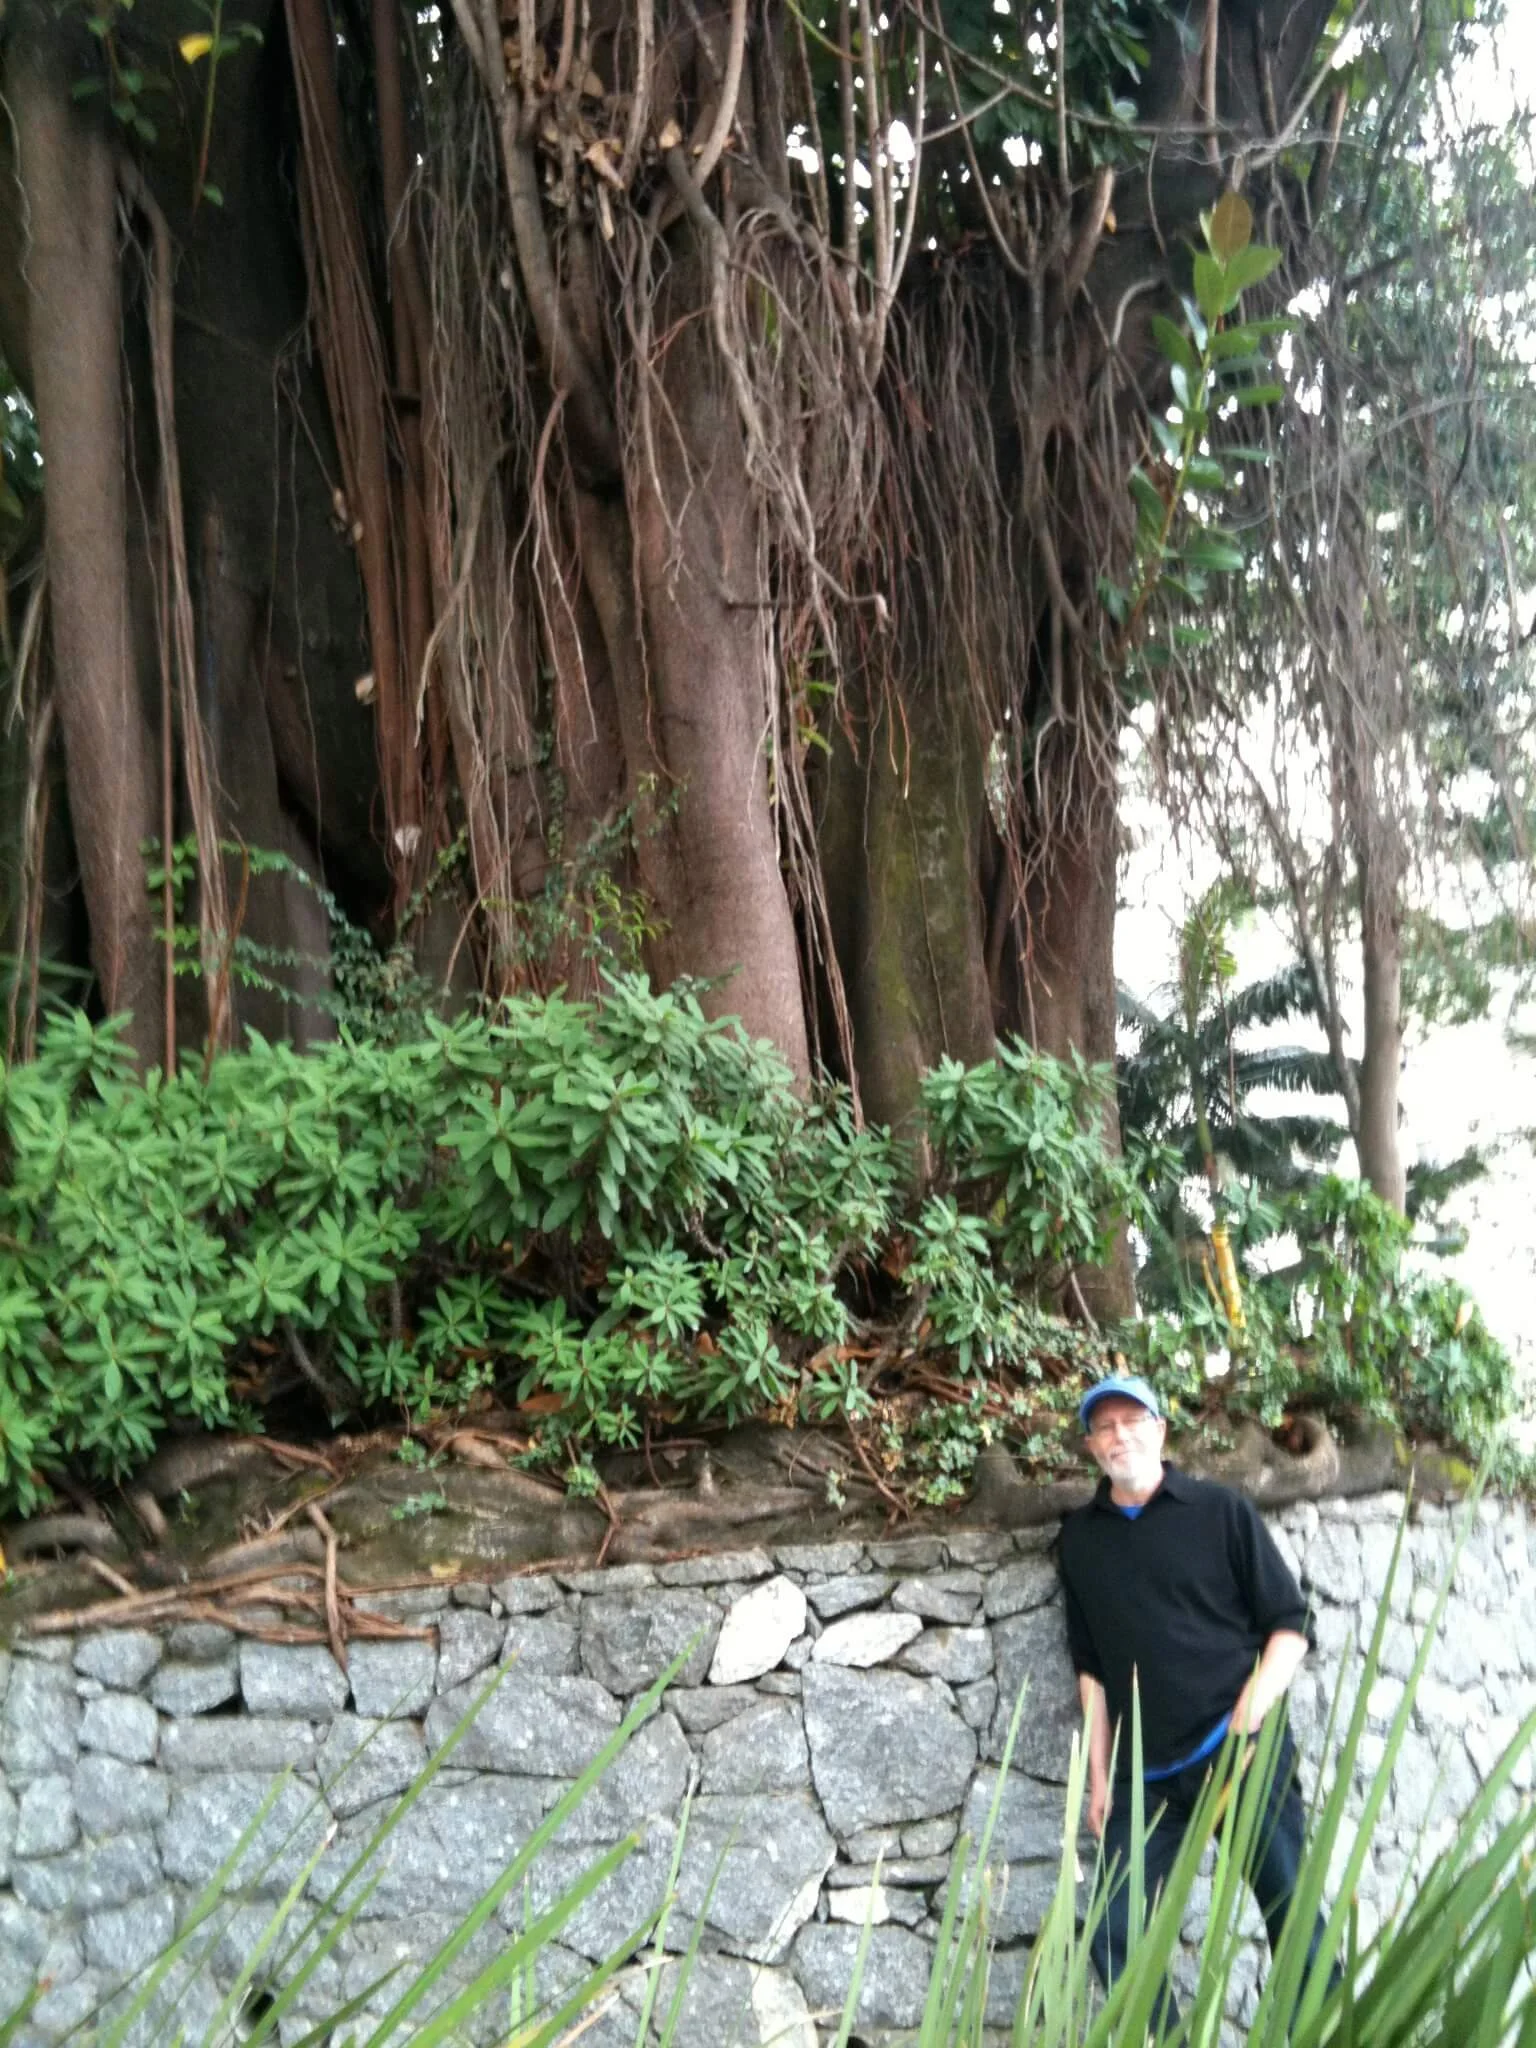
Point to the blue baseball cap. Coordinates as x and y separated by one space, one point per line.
1130 1387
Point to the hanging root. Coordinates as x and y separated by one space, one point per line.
875 431
178 642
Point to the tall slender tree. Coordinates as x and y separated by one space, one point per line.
1368 737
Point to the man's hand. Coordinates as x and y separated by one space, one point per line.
1271 1679
1098 1804
1096 1711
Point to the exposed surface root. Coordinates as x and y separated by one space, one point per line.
64 1533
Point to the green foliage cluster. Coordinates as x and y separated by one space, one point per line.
628 1210
1218 366
619 1204
1185 1075
1350 1321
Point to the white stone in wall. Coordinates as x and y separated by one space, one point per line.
861 1640
39 1728
1302 1521
124 1657
1333 1565
388 1680
860 1902
779 2007
1384 1699
754 1868
758 1629
46 1824
120 1725
1486 1743
1290 1555
958 1655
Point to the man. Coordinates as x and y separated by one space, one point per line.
1176 1585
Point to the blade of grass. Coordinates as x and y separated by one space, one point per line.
202 1906
558 1814
1286 2001
860 1959
653 1985
525 1946
956 1950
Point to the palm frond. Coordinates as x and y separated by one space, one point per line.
1272 999
1297 1069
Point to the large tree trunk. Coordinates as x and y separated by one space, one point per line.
678 581
76 324
274 586
1070 993
682 390
901 834
713 703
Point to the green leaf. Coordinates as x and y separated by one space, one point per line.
1209 548
1205 473
1175 344
1212 293
1114 598
1247 337
1249 267
1151 508
1259 394
1168 438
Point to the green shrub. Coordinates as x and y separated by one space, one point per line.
1351 1321
629 1208
619 1203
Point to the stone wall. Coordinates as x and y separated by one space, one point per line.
844 1701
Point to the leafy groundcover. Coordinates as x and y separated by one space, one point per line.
623 1216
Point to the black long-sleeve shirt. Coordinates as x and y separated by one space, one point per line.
1185 1597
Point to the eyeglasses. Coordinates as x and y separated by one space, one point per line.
1122 1425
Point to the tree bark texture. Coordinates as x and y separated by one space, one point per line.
75 317
1381 955
901 836
279 632
1070 997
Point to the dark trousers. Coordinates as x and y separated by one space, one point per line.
1277 1859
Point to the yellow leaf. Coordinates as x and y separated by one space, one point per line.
193 47
1230 228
